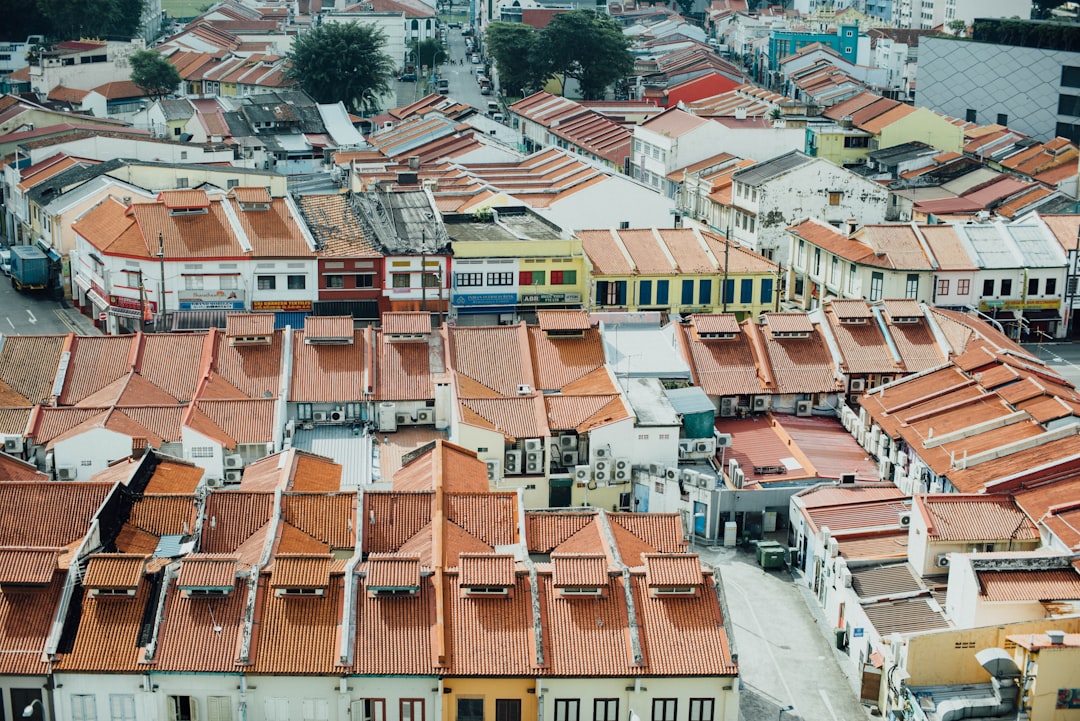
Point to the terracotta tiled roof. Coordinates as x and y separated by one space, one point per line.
579 570
172 362
201 634
661 532
232 517
317 327
95 362
957 517
404 371
387 570
874 547
274 232
400 628
300 571
800 365
850 309
173 199
248 324
329 517
26 621
114 570
457 469
563 320
64 512
406 323
514 417
497 359
206 570
250 195
1048 585
27 566
172 476
248 371
233 422
712 323
674 569
399 517
329 373
13 469
486 569
788 322
475 623
566 413
545 531
315 474
561 361
299 635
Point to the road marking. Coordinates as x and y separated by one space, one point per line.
31 314
67 323
828 705
10 323
761 634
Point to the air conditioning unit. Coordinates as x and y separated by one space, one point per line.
337 415
534 462
425 416
582 473
524 389
622 474
533 444
568 443
687 476
67 473
856 385
885 379
234 460
600 476
13 444
671 473
319 416
403 419
834 548
684 447
233 476
703 481
513 462
602 452
942 560
902 459
621 464
761 403
705 445
905 519
723 440
214 483
738 478
804 408
492 470
569 458
845 578
601 465
656 469
847 478
727 407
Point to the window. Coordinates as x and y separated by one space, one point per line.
227 282
83 707
276 709
835 196
766 290
193 282
645 292
1006 286
911 286
500 278
701 709
662 292
877 280
297 282
664 709
971 116
704 293
988 286
943 286
202 452
470 709
364 280
531 277
218 708
963 286
606 709
856 141
687 292
412 709
431 279
122 707
400 280
1051 286
182 708
1070 76
611 292
468 280
802 252
335 281
265 282
316 709
1068 105
746 290
729 291
563 277
176 132
1003 119
566 709
370 709
834 271
817 261
851 276
1033 286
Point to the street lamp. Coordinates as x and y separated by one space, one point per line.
29 710
161 262
783 711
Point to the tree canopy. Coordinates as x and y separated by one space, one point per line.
426 52
512 46
587 46
154 75
343 62
72 19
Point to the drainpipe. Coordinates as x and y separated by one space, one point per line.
893 350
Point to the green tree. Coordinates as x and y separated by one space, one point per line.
154 75
512 46
427 52
687 6
586 46
71 19
956 27
343 61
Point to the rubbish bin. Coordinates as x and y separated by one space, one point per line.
841 638
770 554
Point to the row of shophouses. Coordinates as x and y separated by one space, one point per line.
382 250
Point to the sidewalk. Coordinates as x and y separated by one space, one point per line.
75 321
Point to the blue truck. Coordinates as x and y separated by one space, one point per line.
29 268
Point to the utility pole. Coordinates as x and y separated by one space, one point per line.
161 264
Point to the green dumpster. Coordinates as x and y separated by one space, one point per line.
770 554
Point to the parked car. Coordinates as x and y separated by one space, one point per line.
476 58
408 77
498 117
453 25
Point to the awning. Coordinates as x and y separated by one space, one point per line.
48 250
198 319
1042 315
125 312
97 300
82 282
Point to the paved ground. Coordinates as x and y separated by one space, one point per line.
37 314
783 644
1062 357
